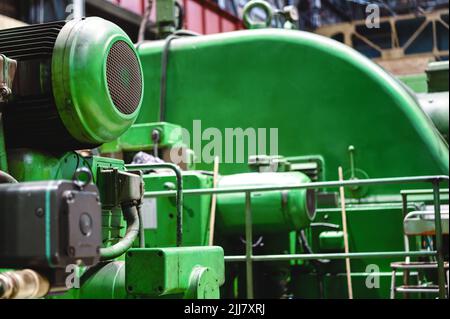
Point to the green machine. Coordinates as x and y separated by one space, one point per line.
261 163
71 220
278 212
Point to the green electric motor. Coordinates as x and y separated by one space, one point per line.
272 211
78 84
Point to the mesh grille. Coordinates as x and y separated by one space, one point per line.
124 77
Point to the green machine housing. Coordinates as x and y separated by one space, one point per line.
72 90
331 107
79 84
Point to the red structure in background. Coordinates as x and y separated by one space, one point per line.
202 16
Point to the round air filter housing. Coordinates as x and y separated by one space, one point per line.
78 84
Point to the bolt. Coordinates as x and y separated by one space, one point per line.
156 135
69 197
39 212
4 92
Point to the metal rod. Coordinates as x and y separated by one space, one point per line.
312 185
423 191
249 244
289 257
344 228
178 193
439 239
212 215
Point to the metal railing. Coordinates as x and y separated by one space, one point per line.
249 258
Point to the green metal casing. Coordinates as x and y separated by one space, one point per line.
272 212
139 137
161 212
321 96
196 272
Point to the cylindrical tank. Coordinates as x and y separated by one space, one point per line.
78 84
272 211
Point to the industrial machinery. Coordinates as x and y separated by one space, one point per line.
71 220
260 163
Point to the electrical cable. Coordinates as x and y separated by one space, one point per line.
144 21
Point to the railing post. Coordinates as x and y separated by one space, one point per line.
249 244
439 248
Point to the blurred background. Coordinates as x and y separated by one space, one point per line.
411 33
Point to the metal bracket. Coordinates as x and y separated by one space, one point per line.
7 72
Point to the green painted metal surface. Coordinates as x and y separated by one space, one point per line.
371 228
416 82
331 241
139 138
195 272
161 212
30 165
105 281
437 74
321 95
80 83
273 212
436 105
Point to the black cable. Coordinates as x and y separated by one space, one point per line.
164 63
304 242
181 15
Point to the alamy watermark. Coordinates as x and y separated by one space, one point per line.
373 276
230 145
373 16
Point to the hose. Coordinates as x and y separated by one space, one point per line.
131 215
308 249
141 228
6 178
144 22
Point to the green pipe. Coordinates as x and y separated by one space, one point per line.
249 244
439 239
178 193
312 185
131 216
289 257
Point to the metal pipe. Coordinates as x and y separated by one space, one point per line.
439 239
6 178
79 9
178 193
423 191
312 185
23 284
289 257
249 244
